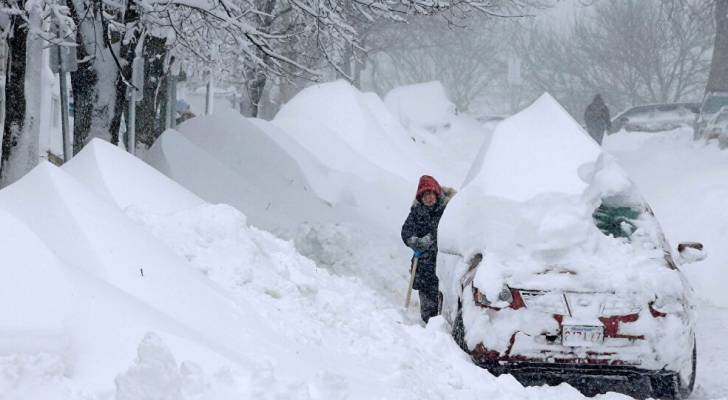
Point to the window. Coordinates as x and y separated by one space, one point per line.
616 221
713 104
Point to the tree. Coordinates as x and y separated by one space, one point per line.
718 78
467 59
630 51
94 83
15 86
21 132
257 34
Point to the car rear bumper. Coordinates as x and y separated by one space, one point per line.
591 372
590 379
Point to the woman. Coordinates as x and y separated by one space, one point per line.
419 232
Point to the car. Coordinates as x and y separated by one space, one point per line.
489 118
717 128
655 117
558 271
712 103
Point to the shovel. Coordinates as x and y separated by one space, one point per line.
413 272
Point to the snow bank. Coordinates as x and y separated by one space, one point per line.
448 141
354 136
422 105
125 180
354 128
239 164
87 283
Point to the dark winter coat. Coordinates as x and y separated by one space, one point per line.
597 118
421 221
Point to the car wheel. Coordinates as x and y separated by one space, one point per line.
458 330
686 388
697 133
671 386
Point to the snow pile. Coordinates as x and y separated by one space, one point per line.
96 282
97 167
449 141
370 156
226 159
370 195
686 184
351 132
555 146
529 203
423 105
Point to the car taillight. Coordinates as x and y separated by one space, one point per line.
480 298
505 299
662 306
655 313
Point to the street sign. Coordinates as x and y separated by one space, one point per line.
137 78
67 55
62 56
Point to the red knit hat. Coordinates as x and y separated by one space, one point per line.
428 184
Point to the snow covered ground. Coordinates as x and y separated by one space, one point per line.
120 283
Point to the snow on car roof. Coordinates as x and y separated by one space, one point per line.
538 150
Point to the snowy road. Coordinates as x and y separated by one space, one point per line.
712 330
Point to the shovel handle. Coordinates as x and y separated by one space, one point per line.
413 272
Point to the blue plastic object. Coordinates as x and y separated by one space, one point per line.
418 253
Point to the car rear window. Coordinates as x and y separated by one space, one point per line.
713 104
616 221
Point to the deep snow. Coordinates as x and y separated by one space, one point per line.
226 310
193 303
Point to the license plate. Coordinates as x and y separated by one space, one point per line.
581 336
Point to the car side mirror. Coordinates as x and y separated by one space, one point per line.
691 252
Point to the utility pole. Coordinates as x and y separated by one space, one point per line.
136 93
171 120
4 53
62 61
67 151
209 99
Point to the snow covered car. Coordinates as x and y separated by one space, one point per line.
712 103
655 117
717 127
554 269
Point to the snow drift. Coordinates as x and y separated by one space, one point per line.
450 142
423 105
356 129
109 283
98 168
226 159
